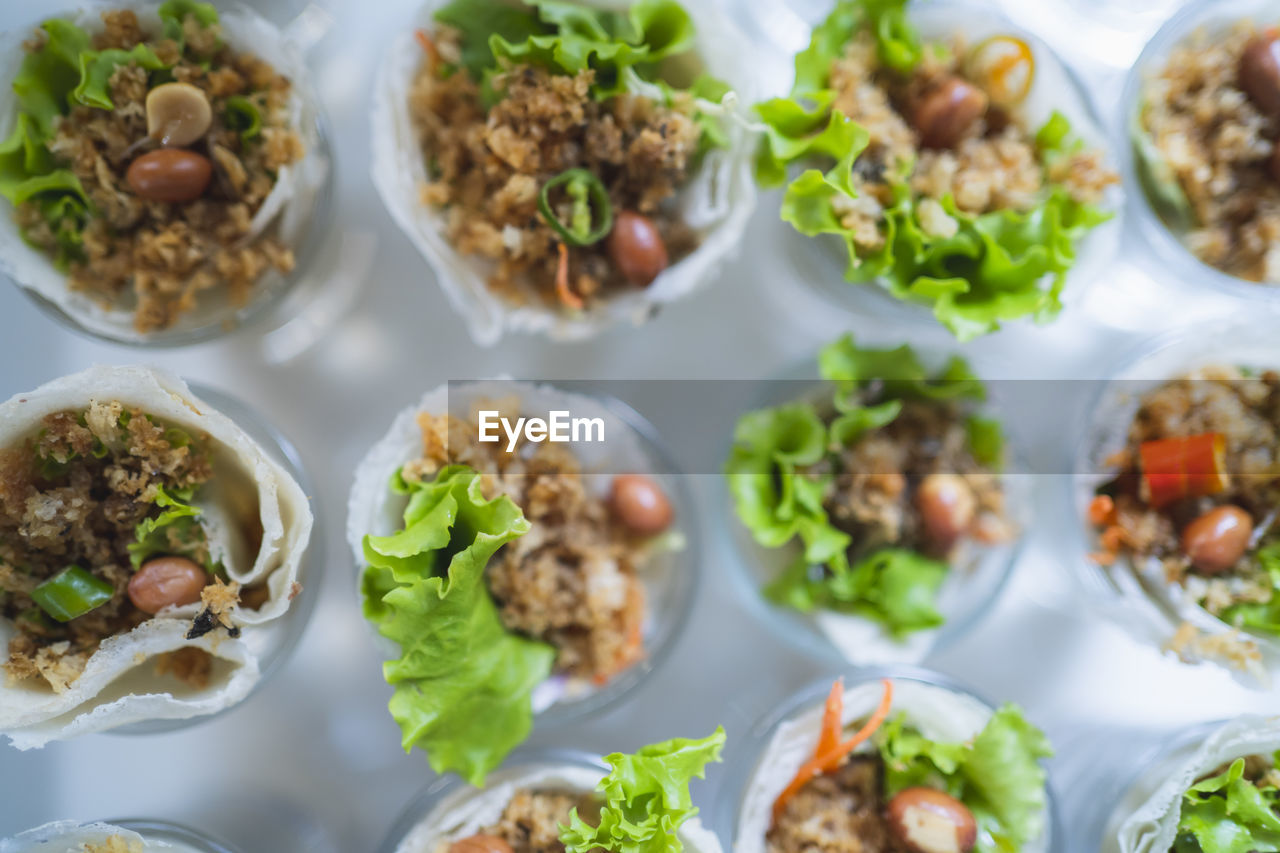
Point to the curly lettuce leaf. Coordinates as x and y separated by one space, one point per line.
96 68
176 530
1254 616
997 266
997 774
646 798
895 587
1228 813
174 12
463 685
567 38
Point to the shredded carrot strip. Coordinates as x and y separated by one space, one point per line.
433 53
567 296
825 761
831 715
1102 511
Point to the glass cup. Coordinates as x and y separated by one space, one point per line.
671 576
751 746
271 304
181 838
274 641
784 27
452 791
1171 252
1154 765
1150 611
987 569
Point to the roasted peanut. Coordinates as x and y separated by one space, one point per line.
169 174
640 505
177 114
1217 540
945 113
924 820
165 582
636 248
947 507
1259 70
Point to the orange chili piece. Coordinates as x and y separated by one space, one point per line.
1176 468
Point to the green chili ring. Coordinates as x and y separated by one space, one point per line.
589 196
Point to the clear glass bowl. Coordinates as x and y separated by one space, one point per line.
174 834
1154 764
785 28
989 568
744 761
1149 611
274 641
671 577
1172 253
185 839
271 305
443 788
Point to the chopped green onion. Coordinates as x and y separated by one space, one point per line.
243 115
72 592
590 202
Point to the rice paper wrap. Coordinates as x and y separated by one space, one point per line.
940 714
69 836
466 810
373 509
717 201
287 208
1152 823
118 685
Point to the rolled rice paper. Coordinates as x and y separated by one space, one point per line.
68 836
717 201
940 715
1153 824
288 206
467 810
118 685
373 509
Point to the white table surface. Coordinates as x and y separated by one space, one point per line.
312 761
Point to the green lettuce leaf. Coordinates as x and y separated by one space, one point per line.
646 798
1229 814
463 685
997 774
895 587
96 68
998 266
174 12
1263 617
176 530
567 38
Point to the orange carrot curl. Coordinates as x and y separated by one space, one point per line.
831 750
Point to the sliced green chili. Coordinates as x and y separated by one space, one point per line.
590 202
72 592
243 115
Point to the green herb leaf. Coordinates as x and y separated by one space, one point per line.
646 798
463 685
97 67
